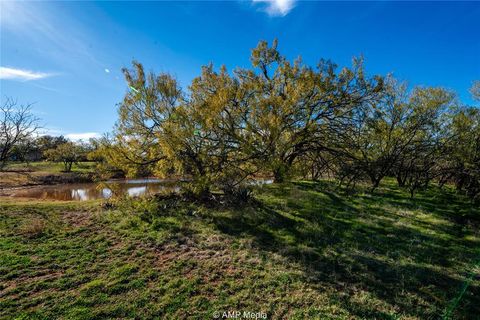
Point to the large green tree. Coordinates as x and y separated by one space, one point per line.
164 131
293 107
67 153
384 135
205 137
280 117
463 153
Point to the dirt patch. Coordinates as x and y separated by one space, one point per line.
15 179
77 218
71 177
42 276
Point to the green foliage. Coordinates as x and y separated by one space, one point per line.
44 143
294 107
68 153
282 118
391 134
463 158
228 127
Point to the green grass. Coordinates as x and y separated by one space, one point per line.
48 166
303 250
18 174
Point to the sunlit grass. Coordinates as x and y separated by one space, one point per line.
48 166
17 174
301 250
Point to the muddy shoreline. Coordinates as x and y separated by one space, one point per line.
12 180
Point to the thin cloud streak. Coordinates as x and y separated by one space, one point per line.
277 8
48 34
21 74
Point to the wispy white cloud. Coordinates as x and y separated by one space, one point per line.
277 8
107 70
55 131
46 88
43 26
82 136
21 74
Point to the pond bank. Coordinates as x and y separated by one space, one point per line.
44 173
16 179
101 189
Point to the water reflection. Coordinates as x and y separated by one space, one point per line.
105 190
137 191
92 191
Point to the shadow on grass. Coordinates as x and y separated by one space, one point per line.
356 244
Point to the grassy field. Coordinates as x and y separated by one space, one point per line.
301 251
43 172
48 166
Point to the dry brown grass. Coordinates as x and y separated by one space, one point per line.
14 179
33 228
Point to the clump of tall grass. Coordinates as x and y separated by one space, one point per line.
33 228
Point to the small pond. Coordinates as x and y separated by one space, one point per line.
92 191
102 190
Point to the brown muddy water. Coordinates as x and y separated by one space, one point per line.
93 191
102 190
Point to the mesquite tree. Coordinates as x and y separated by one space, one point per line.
282 117
383 135
292 107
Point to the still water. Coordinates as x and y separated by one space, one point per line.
92 191
104 190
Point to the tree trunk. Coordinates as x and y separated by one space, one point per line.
375 184
278 176
280 173
67 166
412 192
401 180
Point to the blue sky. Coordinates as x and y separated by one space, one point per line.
66 56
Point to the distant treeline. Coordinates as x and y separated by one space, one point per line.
45 147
